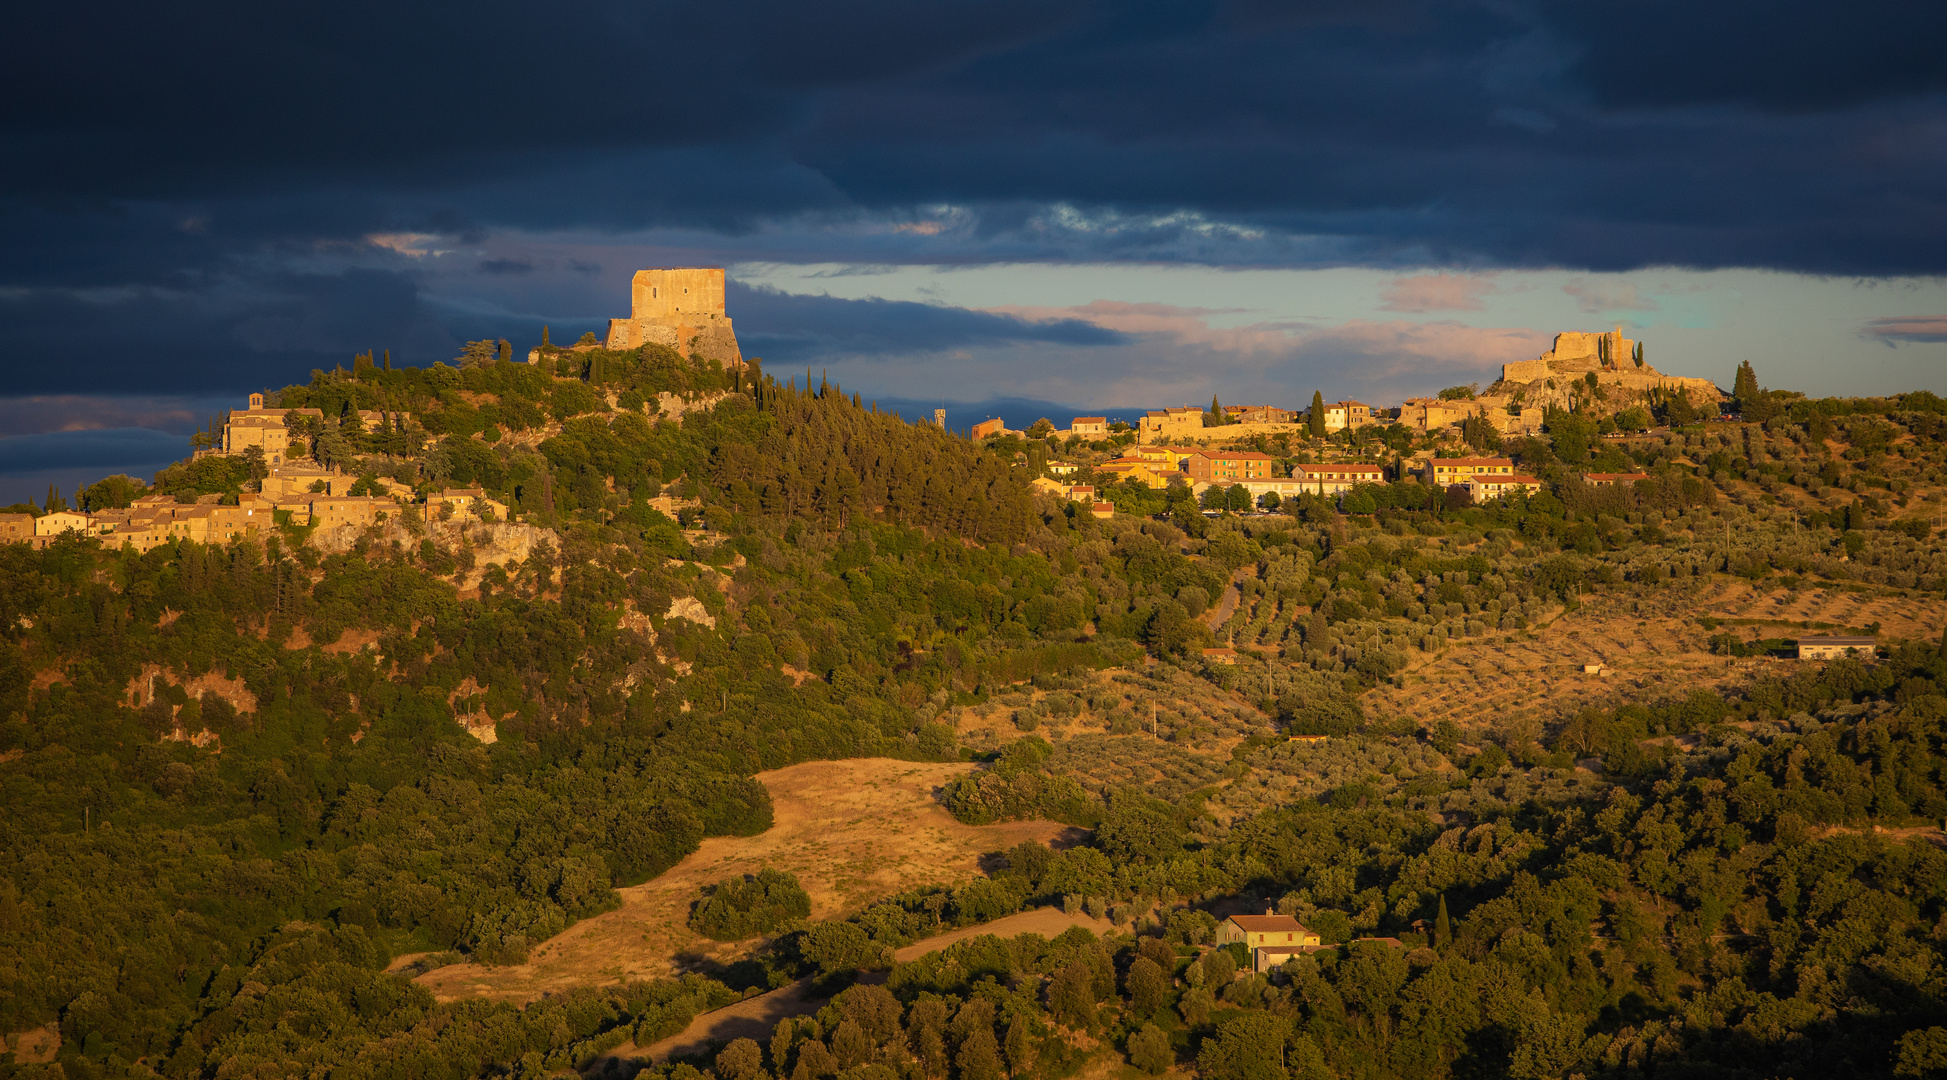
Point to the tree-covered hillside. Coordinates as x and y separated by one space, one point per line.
240 779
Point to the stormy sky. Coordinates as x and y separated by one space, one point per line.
1082 204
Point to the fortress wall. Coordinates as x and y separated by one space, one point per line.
629 333
681 294
1524 371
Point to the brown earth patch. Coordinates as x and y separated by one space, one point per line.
852 831
45 678
352 641
36 1046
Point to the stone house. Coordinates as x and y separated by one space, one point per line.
264 428
1611 479
16 527
471 504
1089 426
1101 510
1340 415
61 521
985 428
1259 414
1186 422
1428 414
332 511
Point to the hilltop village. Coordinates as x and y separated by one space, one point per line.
295 465
1590 390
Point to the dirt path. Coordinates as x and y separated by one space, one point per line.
852 831
1227 606
755 1017
1932 835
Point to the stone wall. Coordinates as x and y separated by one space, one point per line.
1524 371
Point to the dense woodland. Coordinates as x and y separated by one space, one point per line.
211 883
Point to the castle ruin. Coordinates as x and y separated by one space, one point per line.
681 308
1552 379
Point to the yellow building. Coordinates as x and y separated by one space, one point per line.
1260 931
1137 469
1446 471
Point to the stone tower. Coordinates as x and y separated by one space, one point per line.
680 307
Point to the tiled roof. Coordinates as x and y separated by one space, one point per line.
1267 924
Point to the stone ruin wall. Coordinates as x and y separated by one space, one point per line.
1576 354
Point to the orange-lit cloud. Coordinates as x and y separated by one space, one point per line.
1435 292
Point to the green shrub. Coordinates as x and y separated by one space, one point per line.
750 905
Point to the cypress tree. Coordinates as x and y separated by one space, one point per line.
1442 926
1317 421
506 351
1744 387
544 337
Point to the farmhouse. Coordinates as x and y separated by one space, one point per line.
1271 938
1258 931
1096 426
1831 648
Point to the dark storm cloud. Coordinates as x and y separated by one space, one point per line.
93 449
791 329
191 189
1786 57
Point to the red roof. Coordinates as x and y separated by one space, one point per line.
1268 924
